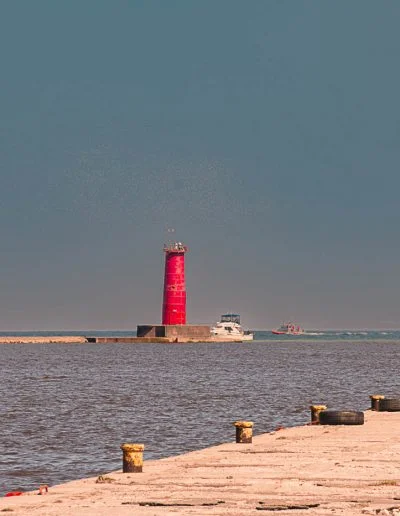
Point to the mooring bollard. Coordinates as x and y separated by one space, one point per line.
375 399
132 459
315 410
244 431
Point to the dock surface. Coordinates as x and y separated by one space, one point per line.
319 469
110 339
43 339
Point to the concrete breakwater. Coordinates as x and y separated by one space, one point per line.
47 339
155 340
315 469
82 339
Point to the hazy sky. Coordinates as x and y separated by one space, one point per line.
266 132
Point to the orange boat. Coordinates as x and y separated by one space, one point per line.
288 328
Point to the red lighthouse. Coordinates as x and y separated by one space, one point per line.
174 327
174 301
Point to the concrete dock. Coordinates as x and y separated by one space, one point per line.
43 339
318 469
82 339
156 340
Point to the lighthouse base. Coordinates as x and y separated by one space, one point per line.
164 333
175 332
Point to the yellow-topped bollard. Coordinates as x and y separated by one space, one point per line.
375 399
132 459
315 410
244 431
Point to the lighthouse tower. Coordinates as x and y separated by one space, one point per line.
174 327
174 300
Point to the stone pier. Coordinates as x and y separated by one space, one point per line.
311 469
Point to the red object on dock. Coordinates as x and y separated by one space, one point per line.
174 301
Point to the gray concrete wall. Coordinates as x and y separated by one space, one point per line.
185 331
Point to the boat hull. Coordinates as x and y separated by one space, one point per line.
233 338
276 332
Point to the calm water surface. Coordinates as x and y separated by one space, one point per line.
65 409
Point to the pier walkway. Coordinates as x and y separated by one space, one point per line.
324 470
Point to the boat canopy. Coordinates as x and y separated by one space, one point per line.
234 318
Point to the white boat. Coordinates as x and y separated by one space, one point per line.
229 328
288 328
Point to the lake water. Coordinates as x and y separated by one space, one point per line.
65 409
